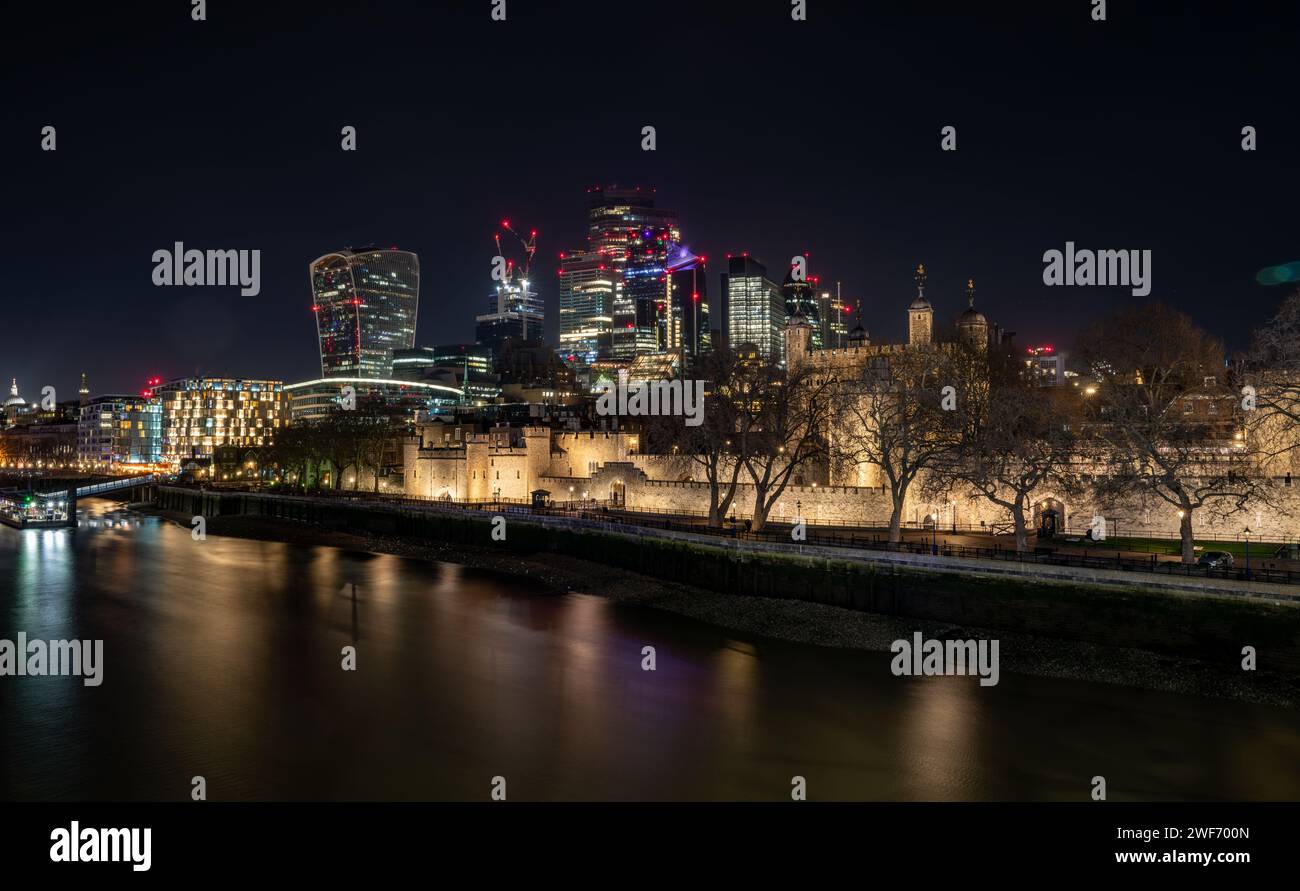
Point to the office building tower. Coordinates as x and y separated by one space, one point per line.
365 302
466 366
801 298
834 315
688 300
755 309
590 286
628 239
514 310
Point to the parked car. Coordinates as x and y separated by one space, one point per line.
1215 560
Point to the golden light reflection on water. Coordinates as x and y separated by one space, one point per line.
937 738
223 659
736 687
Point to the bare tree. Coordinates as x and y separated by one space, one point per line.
891 416
1162 426
713 447
1014 435
1272 368
784 425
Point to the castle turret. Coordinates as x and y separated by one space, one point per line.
859 336
920 315
971 324
798 340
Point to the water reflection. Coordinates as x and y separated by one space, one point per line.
223 659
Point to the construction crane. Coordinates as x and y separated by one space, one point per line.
529 244
530 248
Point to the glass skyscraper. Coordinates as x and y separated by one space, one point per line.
590 288
614 294
365 303
514 310
801 297
686 323
755 308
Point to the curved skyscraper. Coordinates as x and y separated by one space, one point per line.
365 301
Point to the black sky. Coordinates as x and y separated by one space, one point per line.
774 137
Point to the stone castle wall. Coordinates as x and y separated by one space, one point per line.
605 466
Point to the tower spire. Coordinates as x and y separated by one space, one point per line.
920 280
970 292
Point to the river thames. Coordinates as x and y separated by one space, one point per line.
222 659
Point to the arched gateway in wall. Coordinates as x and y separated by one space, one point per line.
1049 517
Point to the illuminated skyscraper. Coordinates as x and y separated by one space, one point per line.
514 310
801 298
365 303
834 313
589 289
628 239
755 308
642 322
688 302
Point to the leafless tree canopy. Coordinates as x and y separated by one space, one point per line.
1162 424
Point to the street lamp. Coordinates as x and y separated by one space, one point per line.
1247 553
934 527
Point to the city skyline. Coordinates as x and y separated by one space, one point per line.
866 210
557 401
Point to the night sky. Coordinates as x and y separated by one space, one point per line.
774 137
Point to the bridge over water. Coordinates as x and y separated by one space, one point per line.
46 510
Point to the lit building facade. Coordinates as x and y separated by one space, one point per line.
834 316
688 301
1047 365
202 414
643 318
801 299
467 366
402 399
514 310
615 296
115 429
589 289
365 303
755 309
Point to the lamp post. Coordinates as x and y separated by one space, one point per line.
934 527
1247 553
